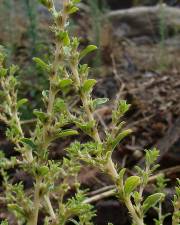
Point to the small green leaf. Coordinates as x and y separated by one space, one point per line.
13 69
75 1
72 9
45 94
137 197
3 72
63 37
131 183
40 115
16 209
21 102
123 107
87 50
88 85
75 43
41 64
151 156
65 82
66 40
43 170
4 222
67 133
59 105
28 141
86 127
99 101
120 137
121 173
12 81
83 69
151 201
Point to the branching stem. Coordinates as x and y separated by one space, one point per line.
110 167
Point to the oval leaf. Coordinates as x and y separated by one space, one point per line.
151 201
99 101
131 183
66 39
43 170
21 102
41 63
87 50
73 9
67 133
86 127
60 105
13 69
121 173
28 141
65 82
88 85
119 137
3 72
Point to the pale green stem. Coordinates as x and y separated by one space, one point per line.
160 213
176 217
34 219
136 219
111 169
50 208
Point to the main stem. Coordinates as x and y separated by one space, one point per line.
52 94
34 219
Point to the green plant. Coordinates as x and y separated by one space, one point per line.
176 204
160 187
52 179
34 150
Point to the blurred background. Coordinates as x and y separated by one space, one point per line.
138 59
